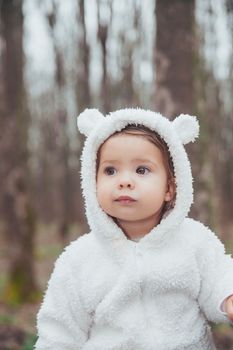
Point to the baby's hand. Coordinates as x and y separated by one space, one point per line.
228 306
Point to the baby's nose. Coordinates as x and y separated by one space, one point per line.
124 185
126 182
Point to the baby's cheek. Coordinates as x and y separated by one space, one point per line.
154 184
99 194
103 196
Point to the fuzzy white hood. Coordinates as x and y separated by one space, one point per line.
98 128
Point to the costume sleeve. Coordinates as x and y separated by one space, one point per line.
216 271
62 322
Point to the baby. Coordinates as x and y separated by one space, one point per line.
146 277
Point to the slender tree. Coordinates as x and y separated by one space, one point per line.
18 214
174 57
178 89
83 76
225 141
63 143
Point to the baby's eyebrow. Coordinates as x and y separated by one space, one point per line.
135 160
144 160
110 161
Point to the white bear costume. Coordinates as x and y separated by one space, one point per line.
110 293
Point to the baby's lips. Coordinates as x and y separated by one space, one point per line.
125 198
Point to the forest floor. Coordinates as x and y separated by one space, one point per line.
18 324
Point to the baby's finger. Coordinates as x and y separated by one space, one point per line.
229 308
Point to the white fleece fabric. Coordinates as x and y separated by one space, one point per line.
110 293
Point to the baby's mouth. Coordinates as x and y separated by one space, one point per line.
125 199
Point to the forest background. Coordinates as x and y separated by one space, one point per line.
59 57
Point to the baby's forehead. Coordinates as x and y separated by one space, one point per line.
122 146
119 135
120 139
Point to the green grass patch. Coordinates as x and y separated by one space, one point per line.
229 247
49 251
30 342
3 279
7 319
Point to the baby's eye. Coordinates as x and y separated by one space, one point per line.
110 170
142 170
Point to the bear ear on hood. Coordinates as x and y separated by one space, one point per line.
187 128
88 119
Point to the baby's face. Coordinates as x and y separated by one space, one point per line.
132 182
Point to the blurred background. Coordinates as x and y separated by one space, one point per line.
59 57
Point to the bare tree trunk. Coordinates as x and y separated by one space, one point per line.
15 202
103 36
174 57
225 145
63 143
83 94
83 86
177 91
